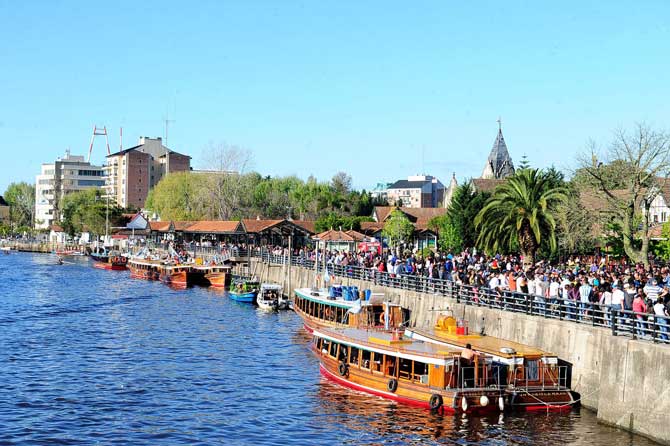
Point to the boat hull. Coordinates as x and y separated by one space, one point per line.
450 405
178 278
109 266
218 280
144 274
247 297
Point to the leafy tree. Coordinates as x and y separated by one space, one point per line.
464 207
397 229
521 211
662 247
86 210
641 162
449 237
21 200
180 196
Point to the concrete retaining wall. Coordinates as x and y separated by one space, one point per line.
626 382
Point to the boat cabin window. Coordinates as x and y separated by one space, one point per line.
333 349
353 356
420 372
405 370
317 343
325 346
365 359
377 362
344 353
532 370
390 365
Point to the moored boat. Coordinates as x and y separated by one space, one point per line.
144 269
532 378
270 297
6 250
324 308
421 374
217 276
243 290
175 275
112 260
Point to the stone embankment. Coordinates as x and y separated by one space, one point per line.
627 382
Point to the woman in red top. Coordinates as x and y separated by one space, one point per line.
640 308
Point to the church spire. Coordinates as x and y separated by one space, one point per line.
499 164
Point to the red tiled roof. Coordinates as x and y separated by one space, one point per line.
56 228
415 215
213 226
333 235
159 226
256 226
307 225
486 184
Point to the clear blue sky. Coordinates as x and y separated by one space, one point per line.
314 87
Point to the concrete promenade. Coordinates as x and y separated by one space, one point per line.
625 381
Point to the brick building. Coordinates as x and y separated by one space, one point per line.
420 191
131 173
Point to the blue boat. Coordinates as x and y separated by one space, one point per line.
244 291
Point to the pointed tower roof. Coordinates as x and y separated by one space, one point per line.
499 164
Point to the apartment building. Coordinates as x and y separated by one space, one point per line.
419 191
68 174
132 172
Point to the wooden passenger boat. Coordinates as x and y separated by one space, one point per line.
217 276
144 269
417 373
244 290
532 378
175 275
6 250
319 309
113 263
270 297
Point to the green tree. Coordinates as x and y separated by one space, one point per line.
335 221
21 200
87 210
464 207
180 196
449 237
640 160
524 164
397 229
521 213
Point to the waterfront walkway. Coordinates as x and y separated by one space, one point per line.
641 326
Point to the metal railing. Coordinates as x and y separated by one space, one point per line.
621 322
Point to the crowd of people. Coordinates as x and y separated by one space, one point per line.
593 287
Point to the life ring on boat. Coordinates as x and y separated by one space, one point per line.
435 401
382 319
342 369
392 385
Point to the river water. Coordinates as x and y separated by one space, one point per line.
94 357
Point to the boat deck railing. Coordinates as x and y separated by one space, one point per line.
642 326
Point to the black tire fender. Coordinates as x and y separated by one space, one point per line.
392 385
435 401
342 369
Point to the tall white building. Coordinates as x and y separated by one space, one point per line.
65 175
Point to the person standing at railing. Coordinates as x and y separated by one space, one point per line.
640 308
585 291
606 303
661 313
618 298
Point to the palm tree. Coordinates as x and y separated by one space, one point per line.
520 213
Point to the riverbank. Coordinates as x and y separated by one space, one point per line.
625 381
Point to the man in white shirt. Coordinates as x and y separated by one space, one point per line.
661 315
618 297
